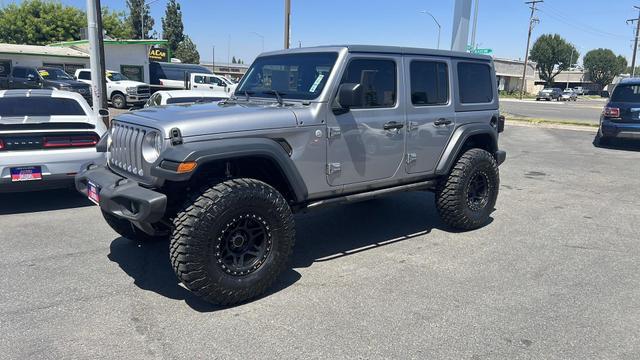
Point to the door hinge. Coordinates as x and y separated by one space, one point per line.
411 158
412 125
333 168
333 132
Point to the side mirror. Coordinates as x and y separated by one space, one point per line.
349 95
103 112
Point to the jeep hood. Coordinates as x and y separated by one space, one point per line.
211 118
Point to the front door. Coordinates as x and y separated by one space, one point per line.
430 111
367 142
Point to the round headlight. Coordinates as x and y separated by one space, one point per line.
151 146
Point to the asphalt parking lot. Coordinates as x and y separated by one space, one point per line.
553 276
584 110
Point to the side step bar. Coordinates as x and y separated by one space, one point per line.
352 198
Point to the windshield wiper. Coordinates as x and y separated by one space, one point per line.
277 94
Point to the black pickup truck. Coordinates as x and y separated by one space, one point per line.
25 77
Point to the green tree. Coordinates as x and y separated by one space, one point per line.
553 55
172 26
134 20
38 22
115 24
187 51
603 66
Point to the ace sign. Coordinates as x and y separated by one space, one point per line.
158 54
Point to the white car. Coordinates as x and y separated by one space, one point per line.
569 95
174 97
211 82
120 90
45 138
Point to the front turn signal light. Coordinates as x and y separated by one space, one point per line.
186 167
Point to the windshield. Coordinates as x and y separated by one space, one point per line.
116 76
292 76
54 74
626 93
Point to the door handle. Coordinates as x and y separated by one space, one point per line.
442 121
391 125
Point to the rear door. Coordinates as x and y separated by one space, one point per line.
430 111
367 143
18 78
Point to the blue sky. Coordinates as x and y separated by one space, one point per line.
502 24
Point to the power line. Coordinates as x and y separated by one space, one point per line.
532 21
569 20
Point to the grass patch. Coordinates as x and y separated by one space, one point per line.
537 121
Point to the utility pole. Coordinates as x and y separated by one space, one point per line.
213 60
532 21
475 25
287 24
569 69
635 42
460 34
101 64
95 57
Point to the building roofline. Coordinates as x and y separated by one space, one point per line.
114 42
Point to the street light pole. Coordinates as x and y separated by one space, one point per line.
261 37
287 24
569 69
475 25
142 4
437 23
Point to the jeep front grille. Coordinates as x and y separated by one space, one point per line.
126 149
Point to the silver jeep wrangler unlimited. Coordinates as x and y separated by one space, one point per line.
306 128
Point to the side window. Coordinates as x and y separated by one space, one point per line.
429 83
198 79
84 75
19 72
378 79
475 83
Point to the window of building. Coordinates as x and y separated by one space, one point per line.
133 72
429 83
378 79
475 83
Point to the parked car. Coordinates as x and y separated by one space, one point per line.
121 91
222 180
621 116
45 137
549 94
569 95
579 90
26 77
175 97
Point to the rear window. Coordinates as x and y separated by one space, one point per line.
626 93
38 106
475 83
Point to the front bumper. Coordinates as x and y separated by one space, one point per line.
136 99
58 167
619 130
122 197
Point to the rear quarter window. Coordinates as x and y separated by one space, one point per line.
475 83
39 106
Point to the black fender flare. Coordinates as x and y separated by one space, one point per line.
203 152
457 141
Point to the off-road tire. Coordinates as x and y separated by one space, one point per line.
452 193
126 229
200 230
119 101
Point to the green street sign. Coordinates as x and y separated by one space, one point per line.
482 51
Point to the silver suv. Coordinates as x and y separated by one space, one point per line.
306 128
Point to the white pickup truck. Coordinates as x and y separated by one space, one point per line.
120 90
204 82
